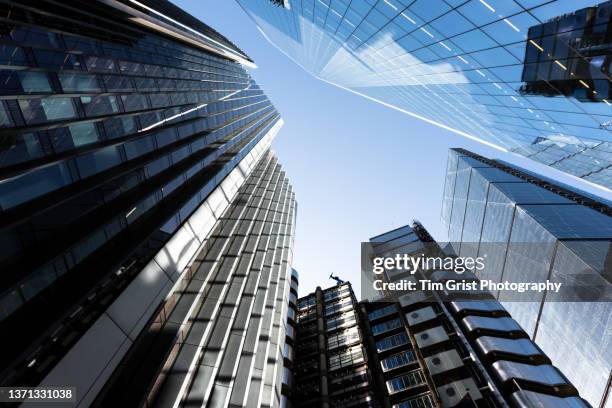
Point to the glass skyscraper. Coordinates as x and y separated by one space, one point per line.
533 230
144 223
528 76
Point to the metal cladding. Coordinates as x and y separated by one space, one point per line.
417 350
146 228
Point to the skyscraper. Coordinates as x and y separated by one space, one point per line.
416 350
146 228
527 76
532 229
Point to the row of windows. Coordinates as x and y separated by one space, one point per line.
406 381
347 358
338 306
58 266
306 302
398 360
343 320
33 145
348 336
43 224
391 342
149 50
383 311
422 401
386 326
337 292
44 180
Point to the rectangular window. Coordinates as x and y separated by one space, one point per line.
19 148
34 184
41 110
98 161
99 105
391 342
398 360
406 381
343 320
57 60
386 326
58 108
34 82
347 358
343 338
383 311
79 82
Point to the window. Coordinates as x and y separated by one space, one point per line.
19 148
381 312
5 120
406 381
343 338
134 102
34 184
40 110
422 401
337 292
67 138
79 82
398 360
98 161
83 133
58 108
343 304
99 64
118 83
348 358
117 127
99 105
344 319
57 60
386 326
34 81
391 342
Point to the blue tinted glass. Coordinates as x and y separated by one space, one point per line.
571 221
31 185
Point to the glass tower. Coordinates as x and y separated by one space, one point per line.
136 186
528 76
533 230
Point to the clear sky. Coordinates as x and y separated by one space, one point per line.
358 168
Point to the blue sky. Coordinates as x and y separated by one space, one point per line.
358 168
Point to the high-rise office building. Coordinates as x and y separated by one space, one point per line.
417 350
146 228
524 75
532 229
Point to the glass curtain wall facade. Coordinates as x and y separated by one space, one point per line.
127 130
528 76
533 230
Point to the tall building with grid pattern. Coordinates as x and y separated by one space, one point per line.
146 227
531 229
417 349
527 76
